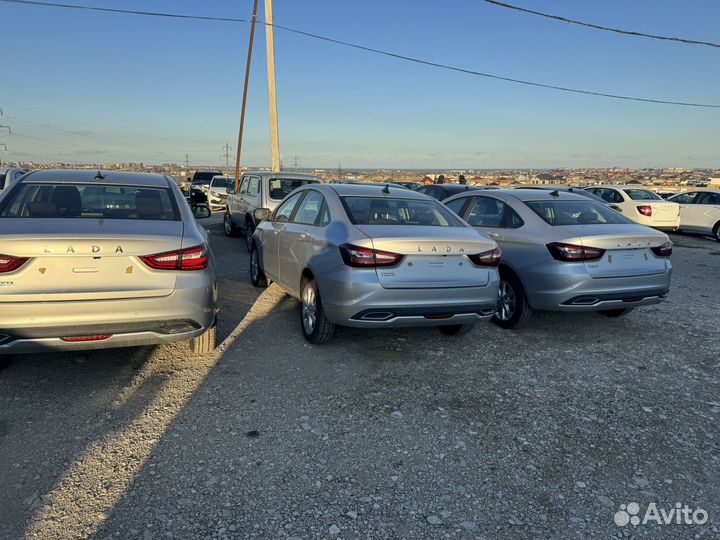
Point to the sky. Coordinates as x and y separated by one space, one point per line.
87 87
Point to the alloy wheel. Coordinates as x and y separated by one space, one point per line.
309 309
248 236
227 225
254 265
506 301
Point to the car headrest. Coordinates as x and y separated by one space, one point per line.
67 200
587 217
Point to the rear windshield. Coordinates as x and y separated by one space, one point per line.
223 182
642 195
576 213
282 187
89 201
384 211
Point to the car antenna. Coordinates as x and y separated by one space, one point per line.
555 193
99 176
386 189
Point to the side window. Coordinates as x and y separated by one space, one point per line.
285 210
243 185
616 196
708 198
485 212
253 189
309 210
685 198
457 205
324 215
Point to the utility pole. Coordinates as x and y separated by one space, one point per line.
272 89
245 92
227 157
187 162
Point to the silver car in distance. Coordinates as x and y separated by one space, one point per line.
565 252
374 256
92 260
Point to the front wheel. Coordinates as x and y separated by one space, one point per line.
257 276
716 231
315 325
513 310
228 226
249 230
616 312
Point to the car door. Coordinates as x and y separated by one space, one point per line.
298 242
496 219
252 196
239 207
273 235
705 212
685 200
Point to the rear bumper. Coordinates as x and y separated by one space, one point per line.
356 298
40 326
570 288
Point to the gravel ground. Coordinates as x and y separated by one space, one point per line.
542 432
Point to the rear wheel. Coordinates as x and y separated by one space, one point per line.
616 312
513 311
228 226
249 230
257 276
457 329
205 343
716 231
315 325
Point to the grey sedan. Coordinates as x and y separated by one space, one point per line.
565 252
375 256
92 260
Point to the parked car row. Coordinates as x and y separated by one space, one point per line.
377 256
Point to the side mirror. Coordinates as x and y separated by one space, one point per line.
229 190
262 214
201 212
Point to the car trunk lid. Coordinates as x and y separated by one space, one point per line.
434 257
76 259
628 249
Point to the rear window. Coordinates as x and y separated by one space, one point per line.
223 182
642 195
89 201
576 213
282 187
383 211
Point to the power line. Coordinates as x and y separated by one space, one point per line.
605 28
380 52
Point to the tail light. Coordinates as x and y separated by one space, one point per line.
360 257
487 258
194 258
10 264
84 339
572 253
645 210
663 251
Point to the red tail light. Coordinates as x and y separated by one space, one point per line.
360 257
83 339
663 251
487 258
10 264
572 253
194 258
645 210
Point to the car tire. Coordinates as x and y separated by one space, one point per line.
457 329
257 276
513 309
619 312
716 231
205 343
316 328
228 226
249 230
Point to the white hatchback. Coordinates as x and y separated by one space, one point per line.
699 211
641 205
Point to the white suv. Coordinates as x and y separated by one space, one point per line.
259 189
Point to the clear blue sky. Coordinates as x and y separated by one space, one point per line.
110 88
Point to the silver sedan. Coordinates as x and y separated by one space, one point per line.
565 252
92 260
375 256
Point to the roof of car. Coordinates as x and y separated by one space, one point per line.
614 186
369 190
532 195
72 176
